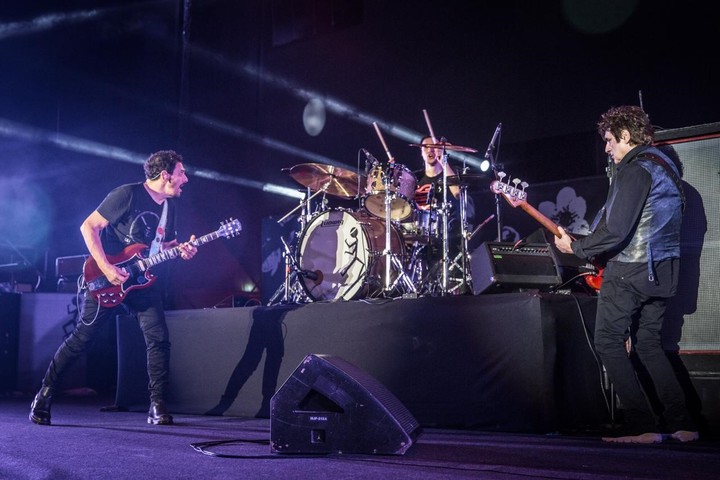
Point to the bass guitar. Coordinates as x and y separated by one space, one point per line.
135 261
517 197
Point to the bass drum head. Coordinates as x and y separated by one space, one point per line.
341 251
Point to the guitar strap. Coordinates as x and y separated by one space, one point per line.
156 244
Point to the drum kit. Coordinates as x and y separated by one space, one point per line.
390 246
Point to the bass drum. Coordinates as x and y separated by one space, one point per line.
341 255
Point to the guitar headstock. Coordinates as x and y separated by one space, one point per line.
515 194
229 228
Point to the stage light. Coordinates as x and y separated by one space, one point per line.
314 117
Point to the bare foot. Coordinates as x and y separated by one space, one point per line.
644 438
685 436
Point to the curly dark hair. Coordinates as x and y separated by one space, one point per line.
159 161
630 118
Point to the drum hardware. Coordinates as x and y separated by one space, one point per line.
390 258
290 289
306 208
400 210
461 261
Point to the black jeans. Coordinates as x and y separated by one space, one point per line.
147 304
618 304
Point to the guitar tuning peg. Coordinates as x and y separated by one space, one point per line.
524 185
501 175
516 181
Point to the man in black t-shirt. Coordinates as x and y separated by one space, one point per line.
131 215
428 214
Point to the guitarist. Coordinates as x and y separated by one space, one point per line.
130 214
639 232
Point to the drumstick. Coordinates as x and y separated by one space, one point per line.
382 140
430 129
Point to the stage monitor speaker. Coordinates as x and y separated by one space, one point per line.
502 267
329 405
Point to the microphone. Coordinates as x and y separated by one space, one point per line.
370 161
491 147
369 157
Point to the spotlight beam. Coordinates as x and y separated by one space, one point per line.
75 144
332 104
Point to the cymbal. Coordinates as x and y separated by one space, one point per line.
335 180
468 180
446 146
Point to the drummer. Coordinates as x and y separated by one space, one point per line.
429 195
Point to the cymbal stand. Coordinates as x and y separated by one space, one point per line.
291 289
444 211
305 205
462 256
390 258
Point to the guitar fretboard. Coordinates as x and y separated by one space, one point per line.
174 252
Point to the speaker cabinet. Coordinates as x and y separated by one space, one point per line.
9 340
329 405
501 267
691 320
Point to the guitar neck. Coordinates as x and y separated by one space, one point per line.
174 252
540 218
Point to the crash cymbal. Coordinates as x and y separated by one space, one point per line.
335 180
446 146
468 180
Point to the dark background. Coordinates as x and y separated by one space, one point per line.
89 88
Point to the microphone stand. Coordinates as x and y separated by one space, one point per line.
490 156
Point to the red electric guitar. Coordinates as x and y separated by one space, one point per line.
517 197
135 261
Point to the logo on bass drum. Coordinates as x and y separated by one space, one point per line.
331 223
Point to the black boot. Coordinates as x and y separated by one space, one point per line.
158 414
40 408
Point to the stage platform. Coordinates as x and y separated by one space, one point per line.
513 362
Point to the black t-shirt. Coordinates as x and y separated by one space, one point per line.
133 217
429 192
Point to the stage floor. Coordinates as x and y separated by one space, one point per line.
86 443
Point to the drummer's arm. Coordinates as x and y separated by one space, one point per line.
454 189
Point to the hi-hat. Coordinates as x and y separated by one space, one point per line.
468 180
333 180
446 146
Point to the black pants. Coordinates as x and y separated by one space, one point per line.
619 304
147 304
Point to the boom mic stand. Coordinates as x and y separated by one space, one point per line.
490 156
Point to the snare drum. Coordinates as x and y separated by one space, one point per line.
402 192
423 228
342 255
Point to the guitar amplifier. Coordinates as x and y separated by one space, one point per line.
70 266
497 267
